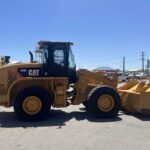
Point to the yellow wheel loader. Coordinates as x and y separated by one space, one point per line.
52 80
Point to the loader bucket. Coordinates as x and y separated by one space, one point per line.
135 97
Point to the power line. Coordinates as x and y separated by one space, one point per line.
113 59
126 61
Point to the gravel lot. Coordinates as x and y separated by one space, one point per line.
73 128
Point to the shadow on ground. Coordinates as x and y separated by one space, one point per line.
138 116
57 118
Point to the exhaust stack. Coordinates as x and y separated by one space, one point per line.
31 56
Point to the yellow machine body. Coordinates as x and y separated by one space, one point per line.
135 96
88 80
11 83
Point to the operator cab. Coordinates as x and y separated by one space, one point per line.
57 59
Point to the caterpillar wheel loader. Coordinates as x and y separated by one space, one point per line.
52 80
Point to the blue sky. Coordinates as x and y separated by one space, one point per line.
103 31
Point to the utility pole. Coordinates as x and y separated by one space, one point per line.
148 68
143 61
124 60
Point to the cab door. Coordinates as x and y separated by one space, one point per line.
60 65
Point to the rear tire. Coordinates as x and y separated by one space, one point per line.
104 102
32 104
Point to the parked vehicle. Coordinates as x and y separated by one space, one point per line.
122 77
140 76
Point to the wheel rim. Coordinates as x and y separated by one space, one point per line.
32 105
106 103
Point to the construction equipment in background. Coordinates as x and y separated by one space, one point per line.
4 60
52 80
135 97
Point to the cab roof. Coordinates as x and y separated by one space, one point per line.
44 42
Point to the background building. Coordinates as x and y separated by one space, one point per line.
105 69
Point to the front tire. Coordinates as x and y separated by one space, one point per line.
104 102
32 104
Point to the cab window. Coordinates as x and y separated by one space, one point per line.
71 59
59 57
